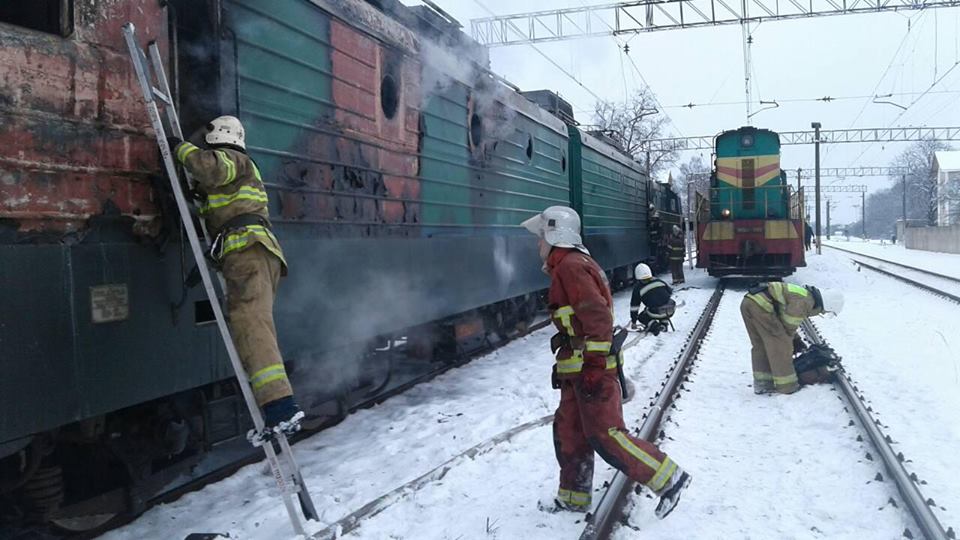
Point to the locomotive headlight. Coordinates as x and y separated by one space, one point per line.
725 213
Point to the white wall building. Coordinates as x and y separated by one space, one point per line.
948 187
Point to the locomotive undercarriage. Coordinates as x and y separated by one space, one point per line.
82 477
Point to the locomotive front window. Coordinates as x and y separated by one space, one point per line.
748 183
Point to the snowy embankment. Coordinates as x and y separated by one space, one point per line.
766 466
901 347
377 450
941 263
947 264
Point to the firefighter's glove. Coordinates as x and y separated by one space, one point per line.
558 341
591 379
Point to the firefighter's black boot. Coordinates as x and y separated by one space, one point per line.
283 414
671 494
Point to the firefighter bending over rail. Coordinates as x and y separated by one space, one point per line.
589 417
234 205
772 312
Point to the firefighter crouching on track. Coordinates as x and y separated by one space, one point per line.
772 312
234 206
589 417
677 246
653 295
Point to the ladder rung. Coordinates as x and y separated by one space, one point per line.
161 96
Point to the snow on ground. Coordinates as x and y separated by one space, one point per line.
495 496
377 450
901 347
942 263
764 466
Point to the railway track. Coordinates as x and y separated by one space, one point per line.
612 506
610 509
906 484
929 288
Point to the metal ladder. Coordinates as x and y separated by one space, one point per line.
284 467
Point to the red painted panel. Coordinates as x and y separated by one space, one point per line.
74 140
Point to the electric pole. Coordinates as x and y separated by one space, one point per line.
816 175
863 214
828 218
904 208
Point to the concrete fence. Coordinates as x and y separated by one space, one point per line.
943 239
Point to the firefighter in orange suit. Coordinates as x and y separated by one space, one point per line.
234 206
772 312
589 418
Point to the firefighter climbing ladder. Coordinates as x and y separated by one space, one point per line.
284 467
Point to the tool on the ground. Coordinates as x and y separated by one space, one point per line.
156 94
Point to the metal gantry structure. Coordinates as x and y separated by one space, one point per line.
657 15
859 135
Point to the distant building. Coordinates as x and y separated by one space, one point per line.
947 165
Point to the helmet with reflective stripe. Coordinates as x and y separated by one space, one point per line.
225 130
832 300
642 271
558 225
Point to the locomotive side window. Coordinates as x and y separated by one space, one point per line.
748 184
389 96
50 16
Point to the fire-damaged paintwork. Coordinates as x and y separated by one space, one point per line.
397 171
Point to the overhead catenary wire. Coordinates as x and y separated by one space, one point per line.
544 55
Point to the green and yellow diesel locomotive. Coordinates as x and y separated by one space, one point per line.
750 224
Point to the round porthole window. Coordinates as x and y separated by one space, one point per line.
389 96
476 130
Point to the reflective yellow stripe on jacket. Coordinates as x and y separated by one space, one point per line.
241 238
245 193
563 314
574 364
776 292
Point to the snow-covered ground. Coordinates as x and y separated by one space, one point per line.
901 347
766 466
943 263
763 466
377 450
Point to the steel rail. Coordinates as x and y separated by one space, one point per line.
917 504
885 261
909 281
610 508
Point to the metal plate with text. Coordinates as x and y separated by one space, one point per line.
109 303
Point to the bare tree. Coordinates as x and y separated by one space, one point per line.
918 160
885 207
632 123
695 174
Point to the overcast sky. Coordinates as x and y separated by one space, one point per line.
838 56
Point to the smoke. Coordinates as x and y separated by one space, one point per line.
442 67
342 305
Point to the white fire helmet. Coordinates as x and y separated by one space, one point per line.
642 271
677 229
225 130
559 226
832 301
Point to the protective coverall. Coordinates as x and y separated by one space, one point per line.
589 417
677 247
772 312
235 210
654 296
